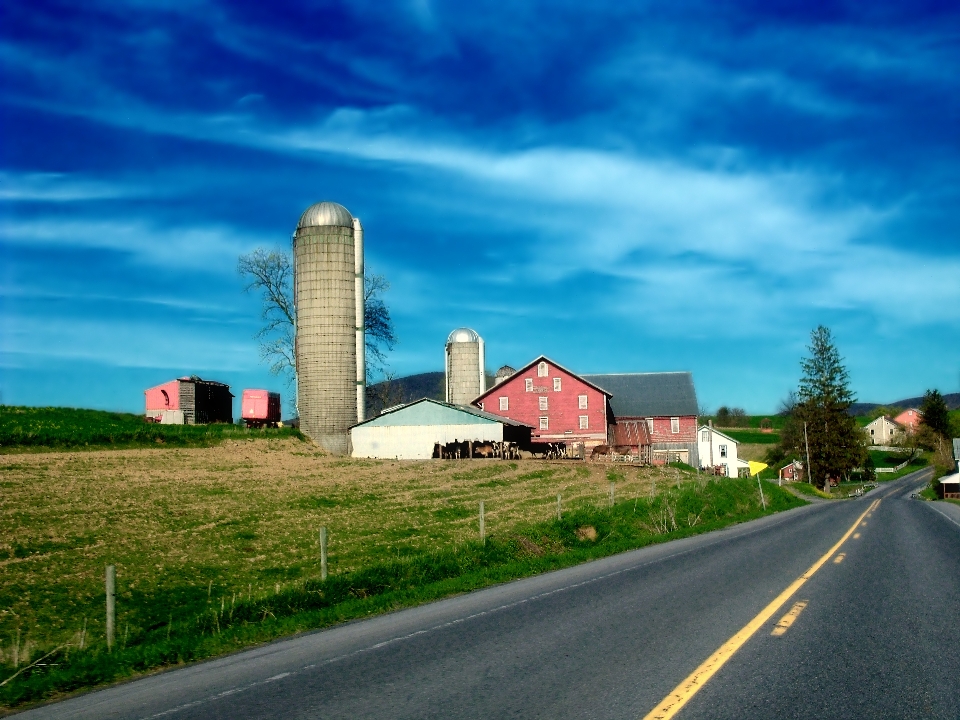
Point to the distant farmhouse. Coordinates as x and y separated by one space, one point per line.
719 452
883 430
908 419
189 401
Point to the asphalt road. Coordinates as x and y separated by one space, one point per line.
878 637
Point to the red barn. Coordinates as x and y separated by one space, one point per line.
665 402
189 401
559 405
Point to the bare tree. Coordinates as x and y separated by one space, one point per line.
270 273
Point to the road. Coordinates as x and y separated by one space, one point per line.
877 635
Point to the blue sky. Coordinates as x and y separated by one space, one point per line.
622 187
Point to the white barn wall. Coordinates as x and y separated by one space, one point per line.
416 442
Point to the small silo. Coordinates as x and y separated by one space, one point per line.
328 294
503 373
464 366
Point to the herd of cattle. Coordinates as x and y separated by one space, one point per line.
457 450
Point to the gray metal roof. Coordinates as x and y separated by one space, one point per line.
428 411
326 214
668 394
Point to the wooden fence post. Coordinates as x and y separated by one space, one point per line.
323 553
613 486
559 507
111 605
483 534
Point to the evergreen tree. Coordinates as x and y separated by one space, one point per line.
837 444
934 413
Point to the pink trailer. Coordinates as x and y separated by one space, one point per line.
260 407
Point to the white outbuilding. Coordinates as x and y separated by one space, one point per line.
413 431
717 450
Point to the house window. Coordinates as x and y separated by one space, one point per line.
542 370
528 384
723 450
705 436
504 403
556 384
543 403
544 423
675 425
584 422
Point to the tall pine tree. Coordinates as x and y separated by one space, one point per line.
837 444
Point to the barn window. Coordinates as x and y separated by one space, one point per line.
544 423
528 384
582 402
584 422
542 370
166 398
675 425
504 403
650 425
543 403
556 384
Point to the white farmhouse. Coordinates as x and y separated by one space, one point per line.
717 450
882 431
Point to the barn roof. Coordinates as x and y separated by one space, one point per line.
428 411
666 394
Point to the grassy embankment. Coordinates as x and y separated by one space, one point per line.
216 548
27 429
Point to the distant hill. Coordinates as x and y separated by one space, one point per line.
403 390
407 389
952 400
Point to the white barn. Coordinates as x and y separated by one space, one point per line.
718 450
411 432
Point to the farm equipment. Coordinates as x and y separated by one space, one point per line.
260 408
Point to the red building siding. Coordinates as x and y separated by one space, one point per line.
563 411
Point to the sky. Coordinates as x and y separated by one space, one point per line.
623 187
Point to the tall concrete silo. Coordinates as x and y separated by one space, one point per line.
328 293
464 366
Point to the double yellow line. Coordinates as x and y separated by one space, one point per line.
683 693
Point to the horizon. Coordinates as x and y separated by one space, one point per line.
654 189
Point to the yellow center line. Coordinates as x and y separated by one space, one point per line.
787 620
856 536
839 558
684 692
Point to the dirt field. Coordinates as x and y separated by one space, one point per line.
211 524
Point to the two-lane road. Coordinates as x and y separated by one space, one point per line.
876 635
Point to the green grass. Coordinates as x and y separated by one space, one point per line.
188 623
753 437
49 428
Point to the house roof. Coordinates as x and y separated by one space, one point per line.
541 358
717 432
665 394
428 411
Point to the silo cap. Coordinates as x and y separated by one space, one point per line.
462 335
326 214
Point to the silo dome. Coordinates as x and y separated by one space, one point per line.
326 214
463 335
503 373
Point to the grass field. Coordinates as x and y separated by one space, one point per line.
216 547
44 429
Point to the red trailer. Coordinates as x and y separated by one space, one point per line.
260 408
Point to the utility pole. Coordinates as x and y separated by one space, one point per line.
806 442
